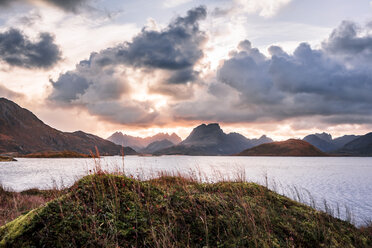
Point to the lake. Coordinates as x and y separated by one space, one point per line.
345 182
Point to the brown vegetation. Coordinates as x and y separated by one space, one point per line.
14 204
292 147
6 159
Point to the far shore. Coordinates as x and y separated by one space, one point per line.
57 154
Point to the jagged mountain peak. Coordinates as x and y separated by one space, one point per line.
205 135
324 136
140 143
210 139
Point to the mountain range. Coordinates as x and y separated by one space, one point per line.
325 142
347 145
361 146
211 140
21 132
139 143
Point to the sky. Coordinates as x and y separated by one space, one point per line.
284 68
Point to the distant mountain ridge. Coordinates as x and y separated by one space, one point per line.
211 140
362 146
140 143
325 142
291 147
157 145
321 141
22 132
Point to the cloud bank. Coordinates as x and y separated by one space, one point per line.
168 57
332 84
16 49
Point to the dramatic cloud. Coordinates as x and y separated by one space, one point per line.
89 82
309 82
352 44
16 49
124 112
176 49
168 57
332 84
127 83
67 5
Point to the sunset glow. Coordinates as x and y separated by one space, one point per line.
167 66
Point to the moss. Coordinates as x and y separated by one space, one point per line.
115 211
14 231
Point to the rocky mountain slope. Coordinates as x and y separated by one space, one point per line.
22 132
211 140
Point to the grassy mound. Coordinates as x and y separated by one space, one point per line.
116 211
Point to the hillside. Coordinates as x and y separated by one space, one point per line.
290 147
361 146
211 140
115 211
21 132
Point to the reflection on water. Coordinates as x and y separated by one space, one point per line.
339 180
